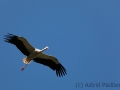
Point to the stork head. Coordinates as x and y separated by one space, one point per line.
38 50
46 47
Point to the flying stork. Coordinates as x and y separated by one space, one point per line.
35 54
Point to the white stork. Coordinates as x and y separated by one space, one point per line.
35 54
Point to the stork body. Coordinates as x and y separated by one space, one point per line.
32 56
35 54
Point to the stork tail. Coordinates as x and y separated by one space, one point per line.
26 60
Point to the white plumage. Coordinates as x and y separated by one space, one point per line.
33 55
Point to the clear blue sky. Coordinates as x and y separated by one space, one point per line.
84 35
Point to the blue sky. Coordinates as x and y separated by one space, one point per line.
84 35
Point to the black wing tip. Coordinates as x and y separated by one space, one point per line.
60 71
8 37
9 34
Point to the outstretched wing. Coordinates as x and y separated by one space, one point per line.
21 43
51 62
